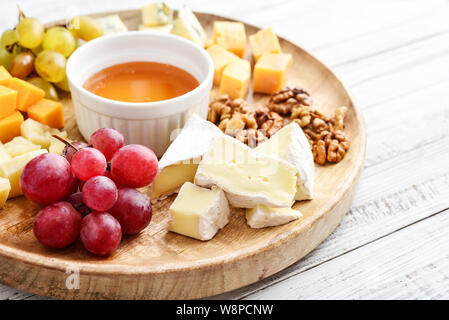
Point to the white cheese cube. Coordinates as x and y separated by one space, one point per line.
262 216
39 133
248 178
13 168
198 212
20 145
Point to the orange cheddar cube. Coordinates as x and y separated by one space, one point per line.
270 72
4 75
7 101
27 93
10 126
264 41
235 79
47 112
221 58
231 36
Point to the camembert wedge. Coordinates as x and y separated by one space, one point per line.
291 145
180 161
199 212
262 216
248 178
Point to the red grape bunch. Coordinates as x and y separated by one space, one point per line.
107 204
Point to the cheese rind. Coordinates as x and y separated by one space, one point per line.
221 58
235 79
231 36
198 212
290 144
270 72
180 161
154 14
13 168
187 25
264 41
248 178
5 189
262 216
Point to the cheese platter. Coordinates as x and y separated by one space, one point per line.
213 229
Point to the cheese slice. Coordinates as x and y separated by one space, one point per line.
112 24
291 145
262 216
248 178
180 161
198 212
5 188
154 14
187 25
13 168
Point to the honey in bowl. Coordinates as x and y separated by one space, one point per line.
141 81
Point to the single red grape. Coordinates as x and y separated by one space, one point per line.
133 210
69 151
100 233
57 225
47 178
74 185
108 141
99 193
88 163
76 200
134 166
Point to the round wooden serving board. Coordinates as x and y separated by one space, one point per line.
157 264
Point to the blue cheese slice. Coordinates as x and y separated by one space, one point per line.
198 212
248 178
154 14
263 216
112 24
187 25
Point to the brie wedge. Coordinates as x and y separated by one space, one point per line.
187 25
291 145
248 178
180 161
262 216
198 212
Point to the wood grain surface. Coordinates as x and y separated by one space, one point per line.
157 264
393 56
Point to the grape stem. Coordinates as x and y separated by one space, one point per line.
65 141
21 14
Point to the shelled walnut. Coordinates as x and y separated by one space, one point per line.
268 121
285 101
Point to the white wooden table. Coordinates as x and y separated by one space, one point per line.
394 56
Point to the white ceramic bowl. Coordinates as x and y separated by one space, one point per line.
149 123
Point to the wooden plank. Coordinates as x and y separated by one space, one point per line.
412 263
